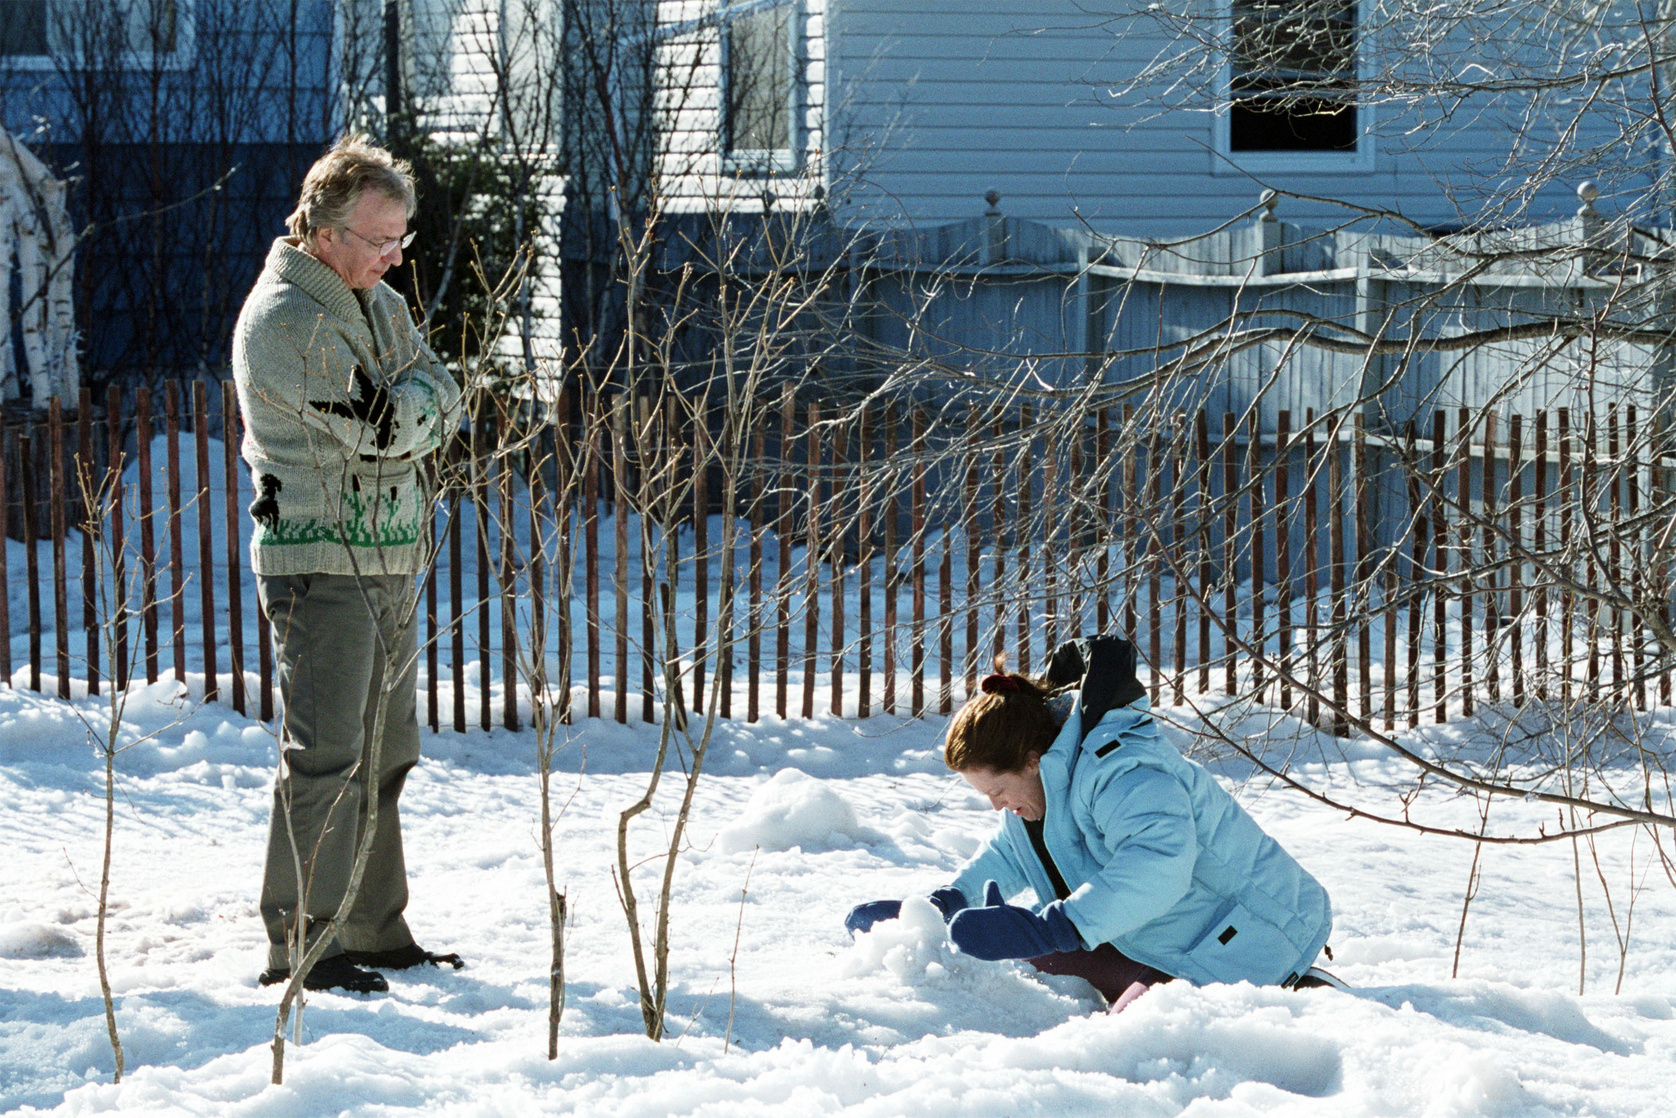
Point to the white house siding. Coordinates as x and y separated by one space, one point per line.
693 176
938 101
450 63
467 62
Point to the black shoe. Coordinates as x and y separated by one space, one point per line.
1315 979
401 958
336 972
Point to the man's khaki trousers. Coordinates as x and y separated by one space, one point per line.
334 637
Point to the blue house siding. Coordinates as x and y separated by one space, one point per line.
936 103
157 295
180 177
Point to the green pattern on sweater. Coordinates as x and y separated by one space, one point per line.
377 523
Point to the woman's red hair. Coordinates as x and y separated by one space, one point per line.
1001 726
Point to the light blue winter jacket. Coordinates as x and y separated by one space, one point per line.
1160 861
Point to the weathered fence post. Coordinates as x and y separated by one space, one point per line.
619 406
148 531
5 573
1105 522
206 548
836 540
1463 554
1440 558
864 563
1230 557
1516 552
85 498
1178 542
753 606
60 594
1022 533
998 533
1283 550
1539 546
1154 561
235 554
1488 551
974 552
812 561
1312 568
1259 554
31 550
701 553
119 556
917 499
892 446
1421 528
1565 498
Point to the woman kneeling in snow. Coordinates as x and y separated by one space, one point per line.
1148 869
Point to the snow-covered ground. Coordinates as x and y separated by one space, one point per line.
773 1010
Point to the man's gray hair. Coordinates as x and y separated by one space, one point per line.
335 183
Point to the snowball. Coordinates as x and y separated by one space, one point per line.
795 810
914 947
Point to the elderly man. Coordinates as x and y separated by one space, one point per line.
342 400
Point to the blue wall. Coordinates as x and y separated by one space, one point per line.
182 174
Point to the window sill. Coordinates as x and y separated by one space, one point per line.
761 164
1358 162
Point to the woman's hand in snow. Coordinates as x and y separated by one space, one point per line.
948 900
1003 931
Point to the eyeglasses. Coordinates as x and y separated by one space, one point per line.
385 248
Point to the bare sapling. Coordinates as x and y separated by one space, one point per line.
550 699
752 321
116 586
733 957
1621 929
1473 879
536 445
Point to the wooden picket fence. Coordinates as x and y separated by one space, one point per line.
955 537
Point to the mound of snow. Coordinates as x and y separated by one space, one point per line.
30 940
794 809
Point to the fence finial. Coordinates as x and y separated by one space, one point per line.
1587 192
1268 200
993 197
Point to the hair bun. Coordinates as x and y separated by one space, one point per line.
999 684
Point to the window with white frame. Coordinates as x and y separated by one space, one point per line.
125 33
761 85
1292 83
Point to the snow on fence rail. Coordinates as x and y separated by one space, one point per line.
1338 573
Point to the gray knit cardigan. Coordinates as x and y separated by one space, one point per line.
341 400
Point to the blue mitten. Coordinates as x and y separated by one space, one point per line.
948 900
1003 931
863 916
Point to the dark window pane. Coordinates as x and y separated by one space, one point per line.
1293 76
1296 124
759 81
23 27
